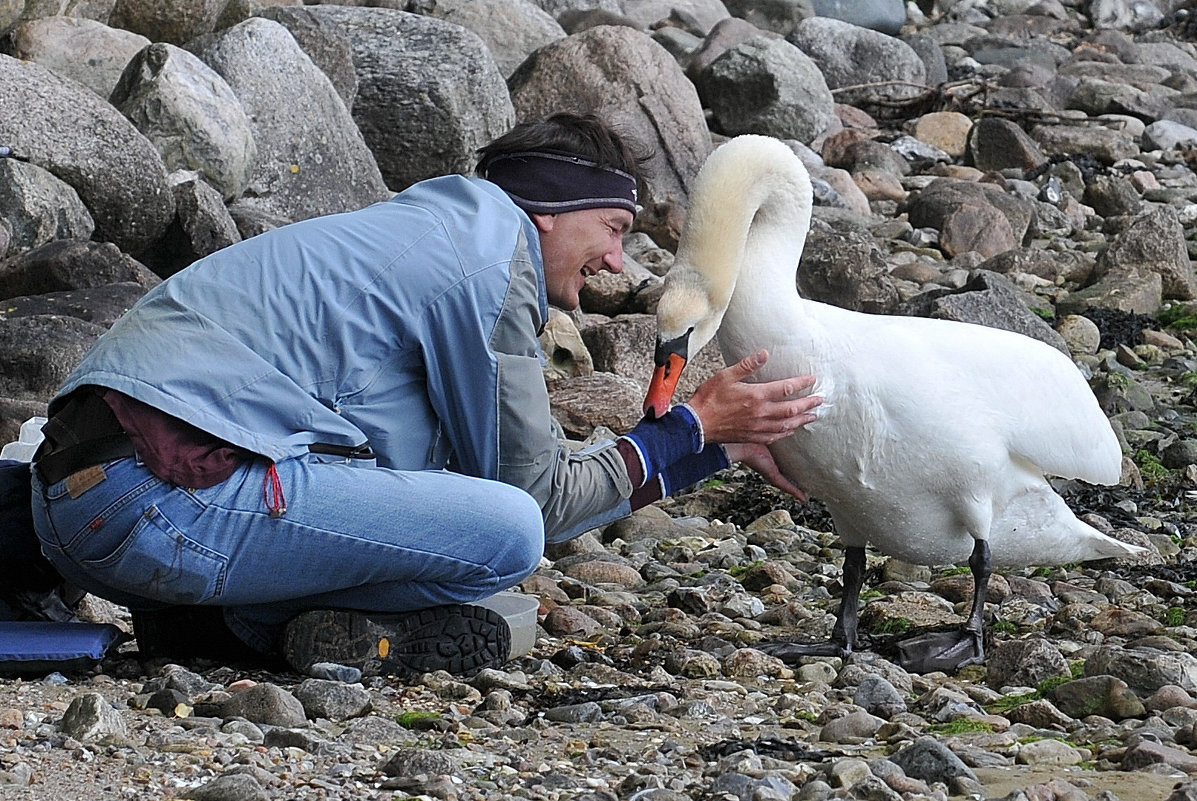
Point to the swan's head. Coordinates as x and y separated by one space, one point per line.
751 202
687 319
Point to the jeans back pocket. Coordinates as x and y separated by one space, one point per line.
160 562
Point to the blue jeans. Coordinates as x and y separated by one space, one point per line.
353 537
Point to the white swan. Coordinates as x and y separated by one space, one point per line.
933 438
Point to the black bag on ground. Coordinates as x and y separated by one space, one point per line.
30 587
39 630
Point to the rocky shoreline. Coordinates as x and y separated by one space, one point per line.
644 684
1027 165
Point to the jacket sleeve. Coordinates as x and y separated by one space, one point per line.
496 412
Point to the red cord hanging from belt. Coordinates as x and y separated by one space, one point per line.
272 491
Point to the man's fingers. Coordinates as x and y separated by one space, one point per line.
749 364
788 387
779 480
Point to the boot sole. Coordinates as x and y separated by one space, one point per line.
460 639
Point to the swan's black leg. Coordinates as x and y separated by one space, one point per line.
843 636
981 566
846 623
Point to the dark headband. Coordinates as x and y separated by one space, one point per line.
541 182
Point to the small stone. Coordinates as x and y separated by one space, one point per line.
749 662
878 697
332 700
229 787
847 772
570 621
331 671
851 729
1148 753
1041 713
692 664
1024 663
932 761
1169 697
1048 752
417 761
1080 333
309 740
1125 623
90 717
1107 696
266 703
587 712
598 571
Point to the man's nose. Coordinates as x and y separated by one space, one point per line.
614 259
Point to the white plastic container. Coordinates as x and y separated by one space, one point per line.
519 610
30 437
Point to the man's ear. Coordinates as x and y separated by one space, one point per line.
544 222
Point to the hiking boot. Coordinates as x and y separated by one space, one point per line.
459 639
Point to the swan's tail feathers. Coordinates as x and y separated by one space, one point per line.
1093 544
1036 527
1112 548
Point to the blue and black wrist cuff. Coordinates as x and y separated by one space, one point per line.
665 440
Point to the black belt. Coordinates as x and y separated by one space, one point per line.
60 463
82 433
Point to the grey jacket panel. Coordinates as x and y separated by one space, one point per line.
576 490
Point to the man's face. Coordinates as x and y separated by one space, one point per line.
577 245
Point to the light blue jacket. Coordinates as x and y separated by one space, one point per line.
410 325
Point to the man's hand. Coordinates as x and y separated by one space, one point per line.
759 459
733 410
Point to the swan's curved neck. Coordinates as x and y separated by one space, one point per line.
746 231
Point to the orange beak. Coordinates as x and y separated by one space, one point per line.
671 359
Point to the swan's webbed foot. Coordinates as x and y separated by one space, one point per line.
946 651
843 636
792 652
949 651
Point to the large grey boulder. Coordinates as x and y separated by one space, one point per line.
168 20
39 208
37 353
203 225
103 305
67 264
767 86
992 300
886 16
429 92
14 12
65 128
558 7
1153 243
704 13
84 50
240 10
849 55
777 16
633 82
1145 670
190 114
846 269
583 403
326 45
511 29
312 159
